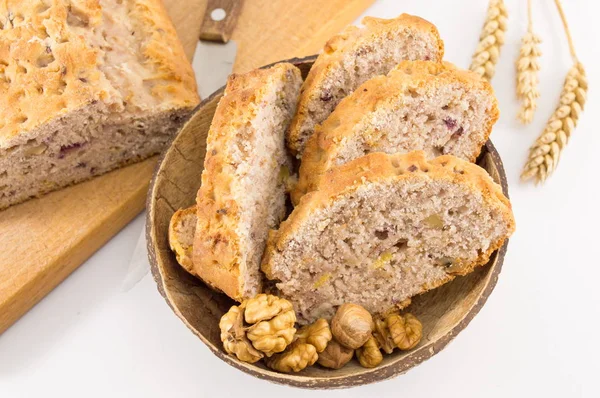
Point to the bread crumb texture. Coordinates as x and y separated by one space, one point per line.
87 86
353 57
243 192
400 224
419 105
57 56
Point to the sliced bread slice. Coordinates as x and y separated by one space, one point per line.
384 228
353 57
419 105
181 236
243 191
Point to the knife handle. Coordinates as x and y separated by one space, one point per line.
220 30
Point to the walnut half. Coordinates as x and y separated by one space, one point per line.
383 336
295 358
406 331
268 327
369 355
234 338
317 334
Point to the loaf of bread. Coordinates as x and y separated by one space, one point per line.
383 228
182 229
243 191
353 57
419 105
87 86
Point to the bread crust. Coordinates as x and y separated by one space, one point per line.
219 257
48 69
379 93
183 251
350 40
341 181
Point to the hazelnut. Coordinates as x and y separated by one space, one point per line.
369 355
335 355
406 330
352 325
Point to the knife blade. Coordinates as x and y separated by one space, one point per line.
215 52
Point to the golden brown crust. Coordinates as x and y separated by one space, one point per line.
380 92
165 51
219 258
342 180
48 69
177 242
350 40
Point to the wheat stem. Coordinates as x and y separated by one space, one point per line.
528 67
491 40
567 31
545 153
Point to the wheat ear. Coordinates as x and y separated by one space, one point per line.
528 68
545 152
491 40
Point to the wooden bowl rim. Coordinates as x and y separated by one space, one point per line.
383 372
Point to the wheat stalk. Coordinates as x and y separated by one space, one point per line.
545 152
528 67
491 40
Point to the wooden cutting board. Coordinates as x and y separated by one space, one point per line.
42 241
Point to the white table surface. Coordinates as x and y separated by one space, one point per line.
536 336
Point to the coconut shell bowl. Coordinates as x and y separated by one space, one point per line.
444 312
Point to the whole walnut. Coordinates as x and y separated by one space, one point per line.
317 334
268 327
406 331
234 337
352 325
295 358
335 355
369 355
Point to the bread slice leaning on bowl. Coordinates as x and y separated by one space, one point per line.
243 192
419 105
86 88
355 56
384 228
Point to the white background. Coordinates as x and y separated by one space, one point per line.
536 336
